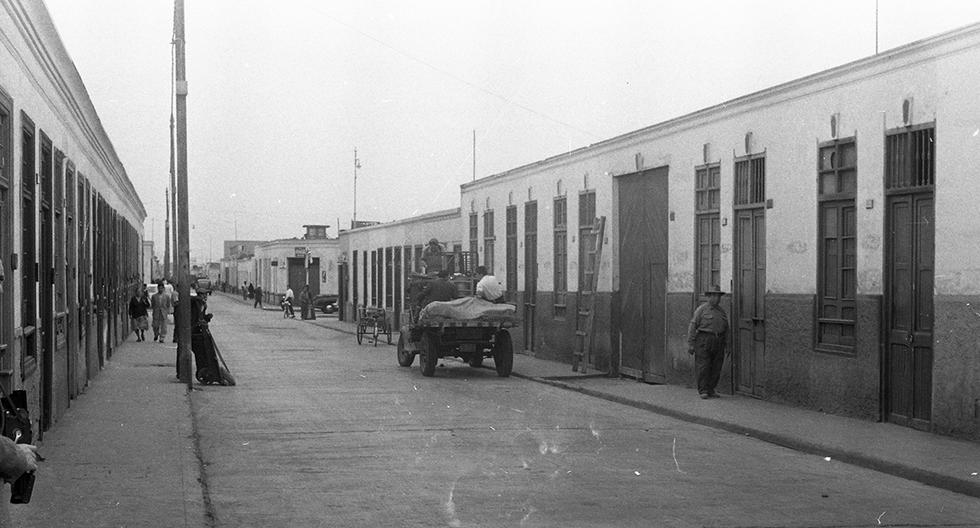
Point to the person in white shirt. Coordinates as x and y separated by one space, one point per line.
488 287
289 299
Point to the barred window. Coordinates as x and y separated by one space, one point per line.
750 180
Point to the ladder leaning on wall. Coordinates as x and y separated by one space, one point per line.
585 307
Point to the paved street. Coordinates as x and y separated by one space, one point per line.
323 432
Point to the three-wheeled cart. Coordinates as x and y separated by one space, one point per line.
469 340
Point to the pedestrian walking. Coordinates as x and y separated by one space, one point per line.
162 304
287 302
707 337
251 290
258 298
244 290
138 305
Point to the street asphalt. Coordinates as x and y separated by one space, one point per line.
127 453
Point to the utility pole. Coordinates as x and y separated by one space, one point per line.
183 311
166 235
357 165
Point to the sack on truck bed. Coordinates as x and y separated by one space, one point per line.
467 309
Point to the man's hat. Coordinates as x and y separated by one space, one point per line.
714 290
434 241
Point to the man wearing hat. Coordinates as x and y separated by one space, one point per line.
432 257
707 336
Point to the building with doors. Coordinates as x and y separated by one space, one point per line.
71 222
836 209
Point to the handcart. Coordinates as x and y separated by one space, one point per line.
373 322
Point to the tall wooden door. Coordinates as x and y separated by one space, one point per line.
530 272
748 319
909 260
643 217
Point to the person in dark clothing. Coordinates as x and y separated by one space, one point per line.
258 298
251 291
138 306
707 336
440 289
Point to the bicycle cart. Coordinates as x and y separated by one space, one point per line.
372 322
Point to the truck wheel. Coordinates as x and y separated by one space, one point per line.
503 354
405 358
429 357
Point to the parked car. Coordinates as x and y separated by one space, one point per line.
326 303
203 284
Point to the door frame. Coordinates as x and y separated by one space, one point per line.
912 191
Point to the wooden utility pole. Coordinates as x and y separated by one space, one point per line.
166 234
183 311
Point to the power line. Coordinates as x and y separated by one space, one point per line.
460 79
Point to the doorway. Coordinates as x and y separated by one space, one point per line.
909 270
530 272
749 285
643 217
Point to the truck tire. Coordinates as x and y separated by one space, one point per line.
503 354
429 357
405 358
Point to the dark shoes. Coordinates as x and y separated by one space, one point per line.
704 395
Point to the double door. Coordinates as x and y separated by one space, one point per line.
749 289
909 308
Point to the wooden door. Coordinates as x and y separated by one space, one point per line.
530 272
643 217
909 308
748 303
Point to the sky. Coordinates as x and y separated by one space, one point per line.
282 93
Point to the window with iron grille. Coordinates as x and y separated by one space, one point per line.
511 257
707 237
750 180
586 240
561 255
488 239
910 158
837 245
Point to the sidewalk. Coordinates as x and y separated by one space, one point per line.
123 454
928 458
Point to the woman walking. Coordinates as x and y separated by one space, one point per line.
137 312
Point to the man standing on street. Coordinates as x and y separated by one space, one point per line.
707 336
258 297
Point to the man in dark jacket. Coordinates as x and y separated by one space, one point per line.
440 289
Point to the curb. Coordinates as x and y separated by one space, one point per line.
929 478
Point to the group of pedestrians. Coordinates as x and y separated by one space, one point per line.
142 305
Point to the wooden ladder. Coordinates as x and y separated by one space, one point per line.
585 307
